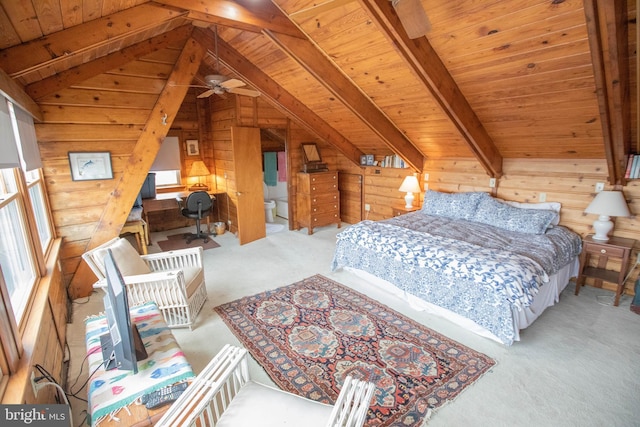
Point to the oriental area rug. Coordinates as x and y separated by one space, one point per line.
310 335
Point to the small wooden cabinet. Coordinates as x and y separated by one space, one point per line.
616 247
403 209
318 200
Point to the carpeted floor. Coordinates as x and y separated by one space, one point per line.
177 241
310 335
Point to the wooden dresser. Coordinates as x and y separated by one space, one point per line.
318 200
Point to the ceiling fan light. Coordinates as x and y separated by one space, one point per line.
413 17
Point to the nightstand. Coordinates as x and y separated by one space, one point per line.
402 209
616 248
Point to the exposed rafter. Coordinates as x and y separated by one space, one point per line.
82 38
279 97
426 64
143 155
98 66
234 14
14 92
607 31
307 55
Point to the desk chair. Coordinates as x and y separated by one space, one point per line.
198 205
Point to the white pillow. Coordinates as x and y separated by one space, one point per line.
126 257
552 206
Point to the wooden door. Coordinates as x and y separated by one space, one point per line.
247 157
351 208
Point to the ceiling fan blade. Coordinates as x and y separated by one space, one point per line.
413 17
232 83
206 93
247 92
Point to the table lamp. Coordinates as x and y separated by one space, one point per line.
199 169
410 185
606 204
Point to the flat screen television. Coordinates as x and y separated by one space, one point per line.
121 346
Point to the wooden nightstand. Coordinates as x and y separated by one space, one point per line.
615 247
402 209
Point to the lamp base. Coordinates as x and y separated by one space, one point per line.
602 227
199 187
408 200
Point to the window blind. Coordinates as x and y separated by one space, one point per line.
168 157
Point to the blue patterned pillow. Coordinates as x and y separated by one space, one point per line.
452 205
498 214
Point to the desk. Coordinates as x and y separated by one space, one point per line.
167 202
115 393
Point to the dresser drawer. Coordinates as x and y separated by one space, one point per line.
325 208
320 219
321 199
596 249
323 178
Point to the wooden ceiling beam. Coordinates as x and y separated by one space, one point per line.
252 18
427 66
74 75
307 55
135 171
279 97
77 40
607 31
16 94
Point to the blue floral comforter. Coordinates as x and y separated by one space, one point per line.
476 270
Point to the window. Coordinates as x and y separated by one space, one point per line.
167 178
16 258
166 165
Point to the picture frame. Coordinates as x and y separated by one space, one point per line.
369 159
90 165
192 147
363 160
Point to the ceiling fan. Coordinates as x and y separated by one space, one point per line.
219 84
413 17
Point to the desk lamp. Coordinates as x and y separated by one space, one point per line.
199 169
410 185
606 204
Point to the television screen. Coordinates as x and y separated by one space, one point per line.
122 346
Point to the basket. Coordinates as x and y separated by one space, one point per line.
219 227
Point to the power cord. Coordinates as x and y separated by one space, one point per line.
64 395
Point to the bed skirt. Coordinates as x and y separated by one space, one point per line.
548 295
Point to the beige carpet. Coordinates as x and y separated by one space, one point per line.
575 366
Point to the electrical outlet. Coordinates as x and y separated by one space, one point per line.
225 175
426 177
367 207
599 186
638 260
542 197
492 182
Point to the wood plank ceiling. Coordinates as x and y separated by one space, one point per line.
493 79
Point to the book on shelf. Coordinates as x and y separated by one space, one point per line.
635 168
627 173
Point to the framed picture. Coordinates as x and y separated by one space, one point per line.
192 147
363 160
87 166
369 159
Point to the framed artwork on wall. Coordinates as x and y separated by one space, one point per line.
86 166
192 147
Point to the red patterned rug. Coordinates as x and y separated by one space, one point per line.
310 335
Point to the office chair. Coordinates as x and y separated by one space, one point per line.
198 205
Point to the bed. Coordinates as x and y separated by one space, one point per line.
489 265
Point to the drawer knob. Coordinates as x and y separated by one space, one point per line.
603 251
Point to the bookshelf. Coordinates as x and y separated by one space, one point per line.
633 167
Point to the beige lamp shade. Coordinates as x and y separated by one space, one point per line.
410 185
607 204
199 169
